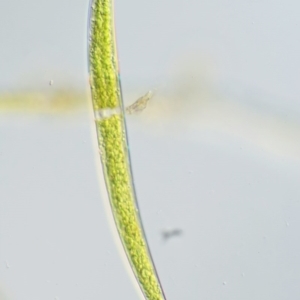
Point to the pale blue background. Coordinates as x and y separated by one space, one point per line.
216 154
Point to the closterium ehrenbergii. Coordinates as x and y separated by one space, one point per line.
113 146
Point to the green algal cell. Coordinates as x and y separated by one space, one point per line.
113 146
103 61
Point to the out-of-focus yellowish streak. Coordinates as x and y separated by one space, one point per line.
4 293
191 100
59 101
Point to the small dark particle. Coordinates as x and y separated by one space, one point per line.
167 234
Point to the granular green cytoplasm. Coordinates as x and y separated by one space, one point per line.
113 147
